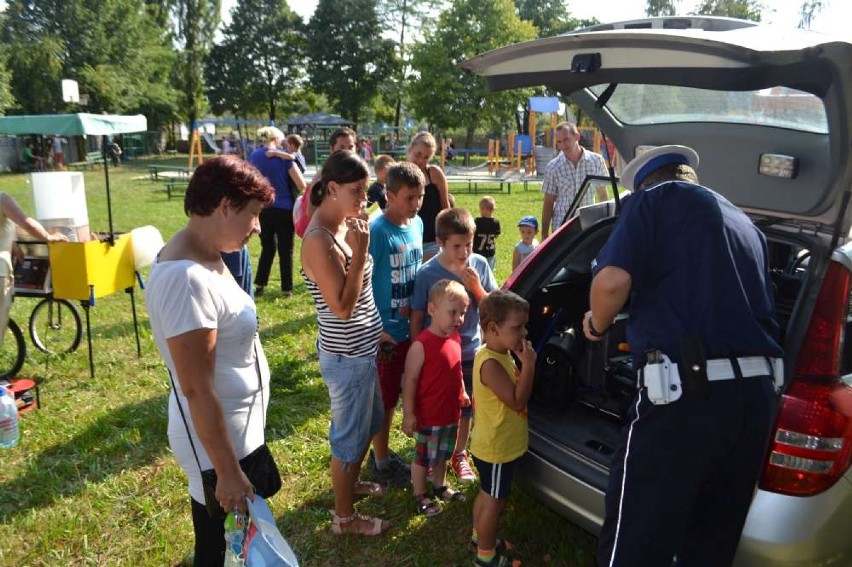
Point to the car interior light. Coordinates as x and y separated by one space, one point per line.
812 442
800 463
779 165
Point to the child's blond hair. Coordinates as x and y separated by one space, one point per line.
447 289
488 203
383 161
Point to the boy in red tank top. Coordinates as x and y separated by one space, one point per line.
433 394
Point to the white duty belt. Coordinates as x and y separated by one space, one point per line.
719 369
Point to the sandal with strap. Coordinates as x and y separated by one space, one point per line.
501 559
502 546
447 494
373 489
377 526
426 506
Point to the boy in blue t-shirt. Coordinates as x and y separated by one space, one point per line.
396 245
454 230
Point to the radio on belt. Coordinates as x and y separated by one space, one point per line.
663 385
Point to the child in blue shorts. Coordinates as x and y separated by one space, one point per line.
433 394
500 437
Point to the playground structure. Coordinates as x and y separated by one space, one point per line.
242 124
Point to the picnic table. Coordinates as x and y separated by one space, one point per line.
176 184
180 171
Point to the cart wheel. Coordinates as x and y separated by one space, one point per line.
12 352
55 326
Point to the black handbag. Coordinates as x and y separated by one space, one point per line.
258 466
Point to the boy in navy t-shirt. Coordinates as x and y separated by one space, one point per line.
487 231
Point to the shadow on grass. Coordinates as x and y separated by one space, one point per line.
131 436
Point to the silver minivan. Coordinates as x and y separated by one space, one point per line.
769 111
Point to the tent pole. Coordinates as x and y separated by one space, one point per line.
111 238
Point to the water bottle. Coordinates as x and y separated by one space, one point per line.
9 433
236 524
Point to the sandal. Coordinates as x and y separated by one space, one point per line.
501 559
447 494
426 506
377 526
373 489
502 546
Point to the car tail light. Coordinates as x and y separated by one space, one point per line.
812 440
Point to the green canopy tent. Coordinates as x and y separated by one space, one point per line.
80 124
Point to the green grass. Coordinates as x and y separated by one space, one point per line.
93 481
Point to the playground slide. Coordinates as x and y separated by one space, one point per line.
210 141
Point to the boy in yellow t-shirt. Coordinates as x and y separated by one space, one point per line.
500 434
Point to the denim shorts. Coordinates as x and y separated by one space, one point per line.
356 403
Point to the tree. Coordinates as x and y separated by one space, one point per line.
447 96
551 17
259 59
743 9
347 56
195 23
7 99
655 8
120 71
808 10
403 15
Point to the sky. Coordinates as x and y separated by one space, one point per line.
835 18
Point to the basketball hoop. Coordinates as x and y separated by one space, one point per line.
70 91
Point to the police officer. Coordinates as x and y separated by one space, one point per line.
704 340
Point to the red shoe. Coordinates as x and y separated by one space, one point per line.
462 468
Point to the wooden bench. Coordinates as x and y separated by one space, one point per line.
176 185
182 172
92 159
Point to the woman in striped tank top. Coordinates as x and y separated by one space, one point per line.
338 274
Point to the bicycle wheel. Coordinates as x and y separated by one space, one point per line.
55 326
13 352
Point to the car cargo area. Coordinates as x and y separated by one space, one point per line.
582 389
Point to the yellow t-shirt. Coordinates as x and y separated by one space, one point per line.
500 433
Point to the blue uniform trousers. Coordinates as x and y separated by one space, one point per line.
681 483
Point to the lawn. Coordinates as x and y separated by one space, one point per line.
93 481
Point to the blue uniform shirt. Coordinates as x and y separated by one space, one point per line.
277 171
698 267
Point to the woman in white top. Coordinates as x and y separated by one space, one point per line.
11 214
205 327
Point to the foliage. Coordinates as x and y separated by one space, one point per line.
195 23
654 8
808 10
347 56
402 15
112 48
742 9
444 94
258 61
550 17
7 99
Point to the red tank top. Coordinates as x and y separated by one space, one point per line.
440 385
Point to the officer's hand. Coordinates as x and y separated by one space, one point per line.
586 331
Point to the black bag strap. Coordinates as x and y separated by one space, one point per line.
183 415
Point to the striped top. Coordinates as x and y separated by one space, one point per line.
357 336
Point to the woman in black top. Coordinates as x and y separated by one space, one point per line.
437 196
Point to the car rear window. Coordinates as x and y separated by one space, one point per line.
782 107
